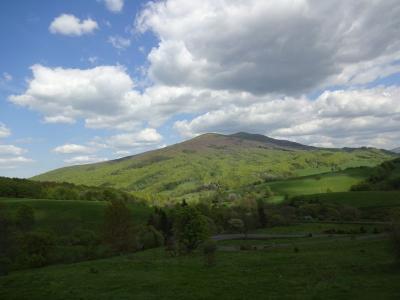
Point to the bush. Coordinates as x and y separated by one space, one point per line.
237 225
395 237
36 248
209 250
149 237
25 218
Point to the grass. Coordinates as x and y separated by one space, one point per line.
367 199
358 269
334 182
63 216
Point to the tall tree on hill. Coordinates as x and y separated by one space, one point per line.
118 227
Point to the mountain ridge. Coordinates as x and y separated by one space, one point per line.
197 165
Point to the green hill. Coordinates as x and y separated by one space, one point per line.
201 165
385 177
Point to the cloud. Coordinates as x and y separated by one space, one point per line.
14 162
11 150
285 47
70 25
73 149
4 131
355 117
143 138
12 157
84 159
105 97
119 42
63 95
114 5
93 59
7 77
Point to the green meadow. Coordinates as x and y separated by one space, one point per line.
358 269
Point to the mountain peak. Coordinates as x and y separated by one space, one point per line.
396 150
271 142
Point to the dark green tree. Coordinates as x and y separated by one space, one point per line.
190 228
262 217
118 227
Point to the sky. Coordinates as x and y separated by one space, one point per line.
88 81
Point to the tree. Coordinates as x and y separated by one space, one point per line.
190 228
118 227
209 249
395 237
5 240
25 218
262 217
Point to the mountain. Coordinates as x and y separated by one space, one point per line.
200 165
396 150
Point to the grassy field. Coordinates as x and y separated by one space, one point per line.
63 216
316 184
358 269
367 199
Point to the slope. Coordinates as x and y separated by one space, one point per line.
209 161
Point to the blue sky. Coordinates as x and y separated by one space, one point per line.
86 81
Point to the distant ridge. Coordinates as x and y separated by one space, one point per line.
396 150
275 143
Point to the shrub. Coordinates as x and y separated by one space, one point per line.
25 218
209 250
149 237
36 248
5 264
237 225
395 237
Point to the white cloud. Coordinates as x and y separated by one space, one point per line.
84 159
7 77
143 138
63 95
11 150
119 42
72 26
14 162
73 149
338 118
4 131
93 59
114 5
284 46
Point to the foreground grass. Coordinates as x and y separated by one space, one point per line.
339 270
